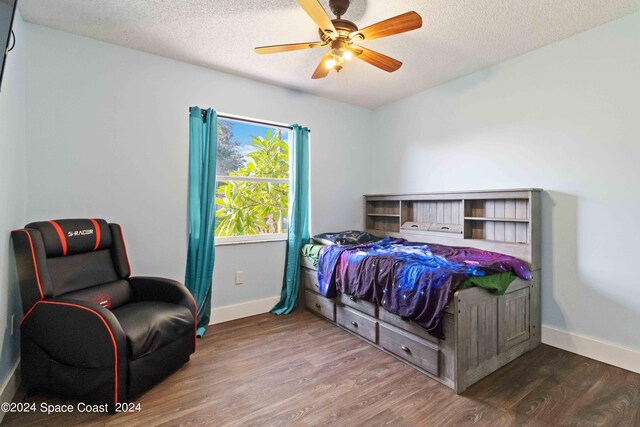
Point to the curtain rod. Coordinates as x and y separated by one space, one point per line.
249 120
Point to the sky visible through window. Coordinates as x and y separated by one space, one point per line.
243 132
240 136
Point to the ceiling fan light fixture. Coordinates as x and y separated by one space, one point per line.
330 63
341 54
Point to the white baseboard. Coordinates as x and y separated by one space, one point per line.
244 309
602 351
10 386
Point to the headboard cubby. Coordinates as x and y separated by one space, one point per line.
383 215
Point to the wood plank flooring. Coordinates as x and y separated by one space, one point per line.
300 370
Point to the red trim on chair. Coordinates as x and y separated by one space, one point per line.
28 313
63 240
35 264
97 227
126 254
113 339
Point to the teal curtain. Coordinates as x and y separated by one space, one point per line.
298 233
203 145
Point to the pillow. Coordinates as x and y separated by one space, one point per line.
345 238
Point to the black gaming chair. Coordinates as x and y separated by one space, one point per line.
91 332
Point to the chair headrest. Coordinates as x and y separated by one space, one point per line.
72 236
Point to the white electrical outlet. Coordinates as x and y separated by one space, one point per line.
13 321
239 277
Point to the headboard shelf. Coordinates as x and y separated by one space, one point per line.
486 218
505 221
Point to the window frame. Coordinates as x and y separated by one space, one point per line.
225 178
251 238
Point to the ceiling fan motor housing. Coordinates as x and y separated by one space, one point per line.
339 7
342 26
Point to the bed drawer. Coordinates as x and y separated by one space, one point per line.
320 305
417 351
359 304
406 325
309 279
357 323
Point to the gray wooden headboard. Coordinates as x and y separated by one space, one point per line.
504 221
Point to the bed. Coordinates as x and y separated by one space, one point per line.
475 326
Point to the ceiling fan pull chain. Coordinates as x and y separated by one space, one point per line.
346 77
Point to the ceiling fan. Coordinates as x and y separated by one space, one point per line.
344 37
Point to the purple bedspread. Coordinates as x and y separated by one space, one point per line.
412 280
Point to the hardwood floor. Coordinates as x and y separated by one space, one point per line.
301 370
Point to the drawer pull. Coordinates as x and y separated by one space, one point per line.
355 324
405 349
318 306
352 298
316 285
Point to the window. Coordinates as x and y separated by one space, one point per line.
252 194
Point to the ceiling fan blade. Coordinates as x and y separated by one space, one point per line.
315 10
376 59
321 71
288 47
396 25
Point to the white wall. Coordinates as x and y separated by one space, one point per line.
12 196
108 137
564 118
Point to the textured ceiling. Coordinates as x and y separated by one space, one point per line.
458 37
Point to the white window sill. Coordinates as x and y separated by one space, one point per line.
246 240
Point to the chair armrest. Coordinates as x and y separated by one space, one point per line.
161 289
79 334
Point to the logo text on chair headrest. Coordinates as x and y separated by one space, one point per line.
80 232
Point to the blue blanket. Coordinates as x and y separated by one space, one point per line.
412 280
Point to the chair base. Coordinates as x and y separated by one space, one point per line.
41 374
147 371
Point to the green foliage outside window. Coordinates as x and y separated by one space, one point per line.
249 208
